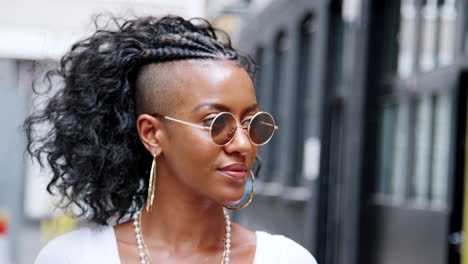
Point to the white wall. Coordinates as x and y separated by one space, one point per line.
38 29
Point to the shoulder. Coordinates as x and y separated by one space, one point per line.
280 249
78 246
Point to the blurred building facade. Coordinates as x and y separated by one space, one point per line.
369 165
370 96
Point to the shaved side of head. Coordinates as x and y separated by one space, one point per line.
158 88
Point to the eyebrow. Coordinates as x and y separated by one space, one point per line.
224 108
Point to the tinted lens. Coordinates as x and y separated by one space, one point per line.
223 128
261 129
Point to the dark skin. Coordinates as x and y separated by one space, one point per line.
186 224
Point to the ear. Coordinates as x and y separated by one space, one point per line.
150 133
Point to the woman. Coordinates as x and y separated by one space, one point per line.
157 123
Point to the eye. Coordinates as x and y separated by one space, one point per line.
208 120
245 122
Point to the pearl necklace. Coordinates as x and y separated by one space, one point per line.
143 249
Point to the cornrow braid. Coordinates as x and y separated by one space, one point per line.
97 160
199 43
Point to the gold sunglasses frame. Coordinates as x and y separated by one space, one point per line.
210 128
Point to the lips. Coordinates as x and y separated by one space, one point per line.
237 171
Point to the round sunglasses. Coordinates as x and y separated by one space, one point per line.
223 127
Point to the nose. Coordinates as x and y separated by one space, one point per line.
240 143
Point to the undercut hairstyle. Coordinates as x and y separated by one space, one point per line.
157 87
97 160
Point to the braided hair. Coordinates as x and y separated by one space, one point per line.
97 160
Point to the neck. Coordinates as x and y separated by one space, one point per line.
182 220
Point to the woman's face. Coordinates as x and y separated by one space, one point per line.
207 88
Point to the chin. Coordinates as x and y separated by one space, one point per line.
230 193
234 200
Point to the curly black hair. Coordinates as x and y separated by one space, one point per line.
93 149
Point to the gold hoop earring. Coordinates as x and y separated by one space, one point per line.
151 185
251 195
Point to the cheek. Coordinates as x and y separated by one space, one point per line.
191 150
251 156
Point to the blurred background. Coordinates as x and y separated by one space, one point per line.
370 96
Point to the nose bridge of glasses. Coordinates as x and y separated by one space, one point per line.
237 122
245 129
241 139
245 134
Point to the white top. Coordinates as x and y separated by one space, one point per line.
99 245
